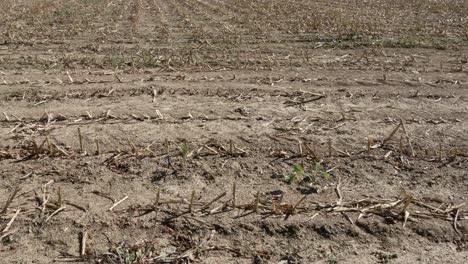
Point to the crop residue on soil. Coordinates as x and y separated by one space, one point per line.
216 131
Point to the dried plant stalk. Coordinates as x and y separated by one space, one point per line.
234 195
84 238
10 199
80 137
391 134
408 139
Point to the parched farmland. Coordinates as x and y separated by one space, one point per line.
233 131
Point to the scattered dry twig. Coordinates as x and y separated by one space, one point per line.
7 226
117 203
10 199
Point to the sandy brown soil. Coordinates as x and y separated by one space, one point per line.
178 103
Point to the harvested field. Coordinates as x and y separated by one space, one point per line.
243 131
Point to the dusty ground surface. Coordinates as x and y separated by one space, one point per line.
167 131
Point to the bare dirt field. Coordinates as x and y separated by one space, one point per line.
242 131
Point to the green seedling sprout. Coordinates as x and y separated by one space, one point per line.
125 255
296 171
319 171
184 150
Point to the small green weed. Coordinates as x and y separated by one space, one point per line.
125 255
319 171
150 58
296 172
184 150
37 220
332 259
